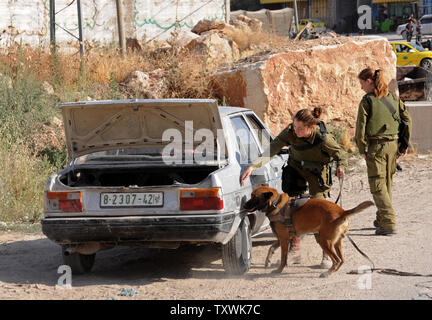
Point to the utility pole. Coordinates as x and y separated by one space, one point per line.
80 30
310 9
52 26
296 16
227 11
81 39
122 39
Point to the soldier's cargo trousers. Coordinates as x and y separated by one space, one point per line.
316 190
381 166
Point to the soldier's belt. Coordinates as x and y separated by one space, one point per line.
381 139
309 165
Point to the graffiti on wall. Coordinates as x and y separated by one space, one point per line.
143 14
21 20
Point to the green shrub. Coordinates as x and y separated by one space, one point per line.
25 108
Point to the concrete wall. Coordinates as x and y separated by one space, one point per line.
28 21
421 114
278 21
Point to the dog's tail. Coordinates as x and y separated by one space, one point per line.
360 207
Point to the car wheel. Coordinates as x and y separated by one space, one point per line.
404 35
237 253
426 64
79 263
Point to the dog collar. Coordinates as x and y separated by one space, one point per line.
274 203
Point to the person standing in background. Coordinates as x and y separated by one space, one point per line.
409 29
377 128
418 33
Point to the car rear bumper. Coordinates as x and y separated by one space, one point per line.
200 228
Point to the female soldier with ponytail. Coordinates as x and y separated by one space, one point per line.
377 128
311 150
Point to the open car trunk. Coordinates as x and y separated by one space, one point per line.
136 177
146 125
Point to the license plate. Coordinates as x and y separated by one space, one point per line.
131 199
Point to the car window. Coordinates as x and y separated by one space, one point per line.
246 143
264 138
418 47
401 48
426 20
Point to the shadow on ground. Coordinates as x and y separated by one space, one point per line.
37 262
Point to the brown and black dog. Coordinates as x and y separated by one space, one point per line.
326 218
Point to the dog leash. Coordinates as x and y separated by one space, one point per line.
392 272
339 197
361 252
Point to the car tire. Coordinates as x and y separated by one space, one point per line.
426 64
404 35
237 253
79 263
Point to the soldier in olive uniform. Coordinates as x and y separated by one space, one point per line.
311 150
376 135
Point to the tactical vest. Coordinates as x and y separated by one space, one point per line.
380 120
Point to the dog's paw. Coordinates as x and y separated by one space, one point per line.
324 275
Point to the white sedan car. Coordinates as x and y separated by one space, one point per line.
426 22
158 173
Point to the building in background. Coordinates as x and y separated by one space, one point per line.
342 16
307 9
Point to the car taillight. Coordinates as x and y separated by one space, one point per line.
68 201
201 199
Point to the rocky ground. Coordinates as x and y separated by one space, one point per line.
29 262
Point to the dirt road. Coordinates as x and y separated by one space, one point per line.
29 262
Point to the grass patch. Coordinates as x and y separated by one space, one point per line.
29 228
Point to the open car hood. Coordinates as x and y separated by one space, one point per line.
117 124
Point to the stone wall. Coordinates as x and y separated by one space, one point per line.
276 86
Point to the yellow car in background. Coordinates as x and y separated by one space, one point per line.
316 24
408 53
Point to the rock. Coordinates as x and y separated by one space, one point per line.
216 48
48 88
207 25
147 83
182 39
277 85
251 23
